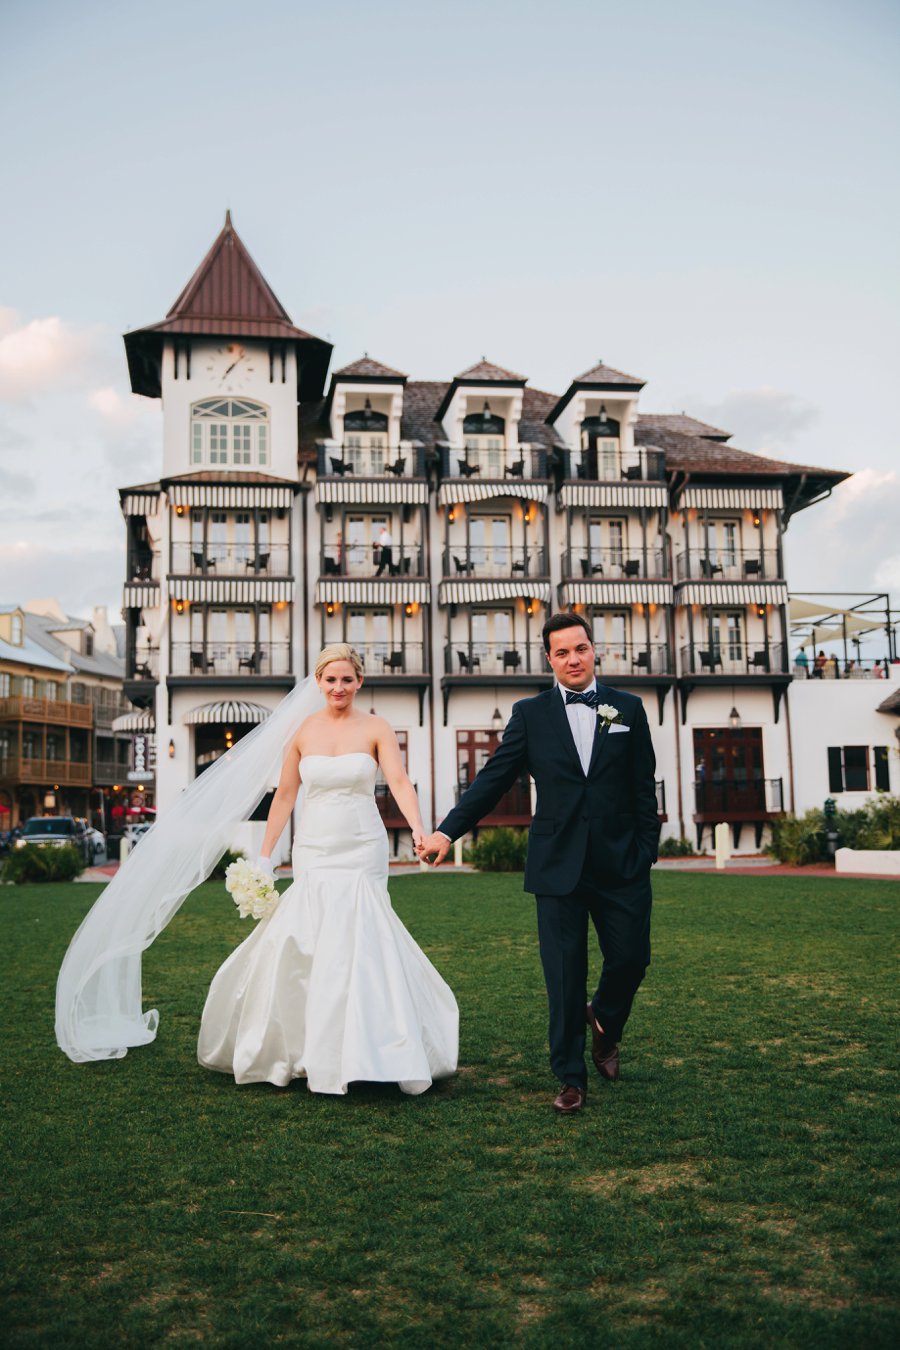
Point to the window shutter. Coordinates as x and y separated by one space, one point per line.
835 772
882 774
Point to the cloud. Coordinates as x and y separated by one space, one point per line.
39 355
759 419
77 577
15 484
113 408
848 542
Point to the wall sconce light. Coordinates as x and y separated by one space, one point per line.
409 610
171 749
528 514
496 720
486 411
281 604
140 787
761 611
734 719
179 510
529 605
451 514
602 414
179 606
756 519
329 609
367 406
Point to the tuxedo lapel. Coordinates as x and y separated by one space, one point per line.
559 724
601 733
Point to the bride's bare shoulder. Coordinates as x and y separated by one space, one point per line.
306 726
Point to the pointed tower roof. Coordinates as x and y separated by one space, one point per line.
485 372
367 368
227 296
601 378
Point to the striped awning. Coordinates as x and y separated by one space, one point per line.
231 591
615 495
231 494
733 593
733 499
464 490
135 721
140 503
475 592
376 592
615 593
229 710
141 595
407 491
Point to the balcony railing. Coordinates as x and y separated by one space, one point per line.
615 564
835 668
240 659
370 461
509 464
390 658
495 560
364 560
614 660
107 771
730 799
734 658
490 660
18 708
613 465
25 769
142 565
513 808
727 564
143 664
230 560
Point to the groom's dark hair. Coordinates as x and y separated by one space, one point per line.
566 619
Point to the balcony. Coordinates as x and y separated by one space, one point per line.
370 462
615 564
18 708
231 560
107 772
387 660
142 565
854 668
754 799
613 465
26 769
495 560
142 664
236 660
513 808
728 565
631 660
364 560
736 658
518 463
488 661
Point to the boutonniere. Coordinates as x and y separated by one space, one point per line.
606 715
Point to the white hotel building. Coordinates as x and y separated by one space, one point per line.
264 538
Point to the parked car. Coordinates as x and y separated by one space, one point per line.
95 839
55 832
133 833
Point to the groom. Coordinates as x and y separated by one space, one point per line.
592 842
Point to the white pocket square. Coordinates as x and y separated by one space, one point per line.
616 727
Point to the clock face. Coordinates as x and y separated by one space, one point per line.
231 367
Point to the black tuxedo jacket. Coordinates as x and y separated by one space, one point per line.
612 808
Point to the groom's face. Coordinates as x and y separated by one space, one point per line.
571 656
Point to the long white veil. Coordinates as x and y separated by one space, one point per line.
98 993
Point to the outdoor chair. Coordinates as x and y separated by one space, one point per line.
393 662
468 663
332 567
751 567
249 663
201 561
201 664
516 469
463 569
467 469
632 471
511 661
339 466
760 659
642 660
590 569
709 661
398 468
708 568
632 567
258 564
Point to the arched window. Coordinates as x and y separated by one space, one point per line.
229 432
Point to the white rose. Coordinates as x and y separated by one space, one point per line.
607 712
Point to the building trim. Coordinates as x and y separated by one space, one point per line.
373 592
732 593
226 495
469 592
229 710
370 490
615 593
733 499
612 495
462 490
233 591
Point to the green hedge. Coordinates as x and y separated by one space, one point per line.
803 839
499 850
676 848
43 863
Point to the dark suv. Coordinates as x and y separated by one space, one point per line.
54 832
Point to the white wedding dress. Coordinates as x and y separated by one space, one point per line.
330 987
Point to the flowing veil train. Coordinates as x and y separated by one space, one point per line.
98 993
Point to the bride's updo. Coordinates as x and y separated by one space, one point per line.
339 651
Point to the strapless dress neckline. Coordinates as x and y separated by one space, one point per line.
342 755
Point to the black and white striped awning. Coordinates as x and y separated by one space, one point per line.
615 593
231 494
231 591
141 595
464 490
476 592
135 721
229 710
347 592
733 499
615 495
733 593
371 490
140 503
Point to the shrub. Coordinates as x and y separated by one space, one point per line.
676 848
227 858
33 863
803 840
797 840
499 850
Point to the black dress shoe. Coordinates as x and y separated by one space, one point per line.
570 1100
604 1052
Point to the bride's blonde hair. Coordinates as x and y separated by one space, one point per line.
339 651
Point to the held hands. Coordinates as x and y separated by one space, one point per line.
265 865
433 848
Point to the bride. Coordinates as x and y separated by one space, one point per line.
330 986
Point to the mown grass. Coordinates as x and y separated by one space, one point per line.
732 1190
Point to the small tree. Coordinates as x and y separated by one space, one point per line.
499 850
33 863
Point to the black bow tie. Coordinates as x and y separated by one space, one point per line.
589 697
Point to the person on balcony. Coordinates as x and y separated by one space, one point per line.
385 547
592 842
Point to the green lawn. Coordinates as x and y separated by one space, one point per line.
732 1190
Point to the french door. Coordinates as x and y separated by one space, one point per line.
728 770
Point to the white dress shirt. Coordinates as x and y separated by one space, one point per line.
583 722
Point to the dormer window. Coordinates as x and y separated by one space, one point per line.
366 440
484 433
229 432
599 446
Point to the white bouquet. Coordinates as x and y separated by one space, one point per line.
251 889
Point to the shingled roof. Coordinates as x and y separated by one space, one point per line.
227 296
690 426
485 372
607 377
366 368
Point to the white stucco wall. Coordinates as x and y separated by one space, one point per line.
839 712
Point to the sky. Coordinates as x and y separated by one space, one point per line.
702 194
